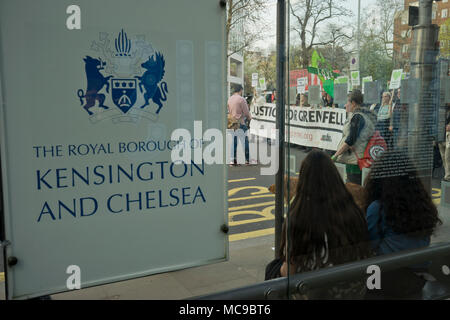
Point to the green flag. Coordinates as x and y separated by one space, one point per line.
324 72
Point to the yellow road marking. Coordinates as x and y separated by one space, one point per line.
239 180
252 234
262 190
268 211
241 222
437 194
252 197
251 206
265 213
2 276
238 213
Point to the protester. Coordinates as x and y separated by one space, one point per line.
268 97
400 216
304 100
325 228
273 98
327 100
259 98
239 111
384 117
297 99
395 120
358 128
376 106
444 147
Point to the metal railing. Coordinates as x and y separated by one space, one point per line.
301 283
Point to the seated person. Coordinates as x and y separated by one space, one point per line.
325 228
400 216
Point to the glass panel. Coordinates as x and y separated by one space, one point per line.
366 129
364 143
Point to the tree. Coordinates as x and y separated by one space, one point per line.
265 66
379 23
308 17
377 39
334 52
336 56
243 22
373 59
444 39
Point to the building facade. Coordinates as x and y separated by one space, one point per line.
403 32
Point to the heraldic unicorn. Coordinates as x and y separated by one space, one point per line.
150 79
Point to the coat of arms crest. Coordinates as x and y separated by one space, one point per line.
128 72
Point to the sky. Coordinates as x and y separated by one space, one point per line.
271 18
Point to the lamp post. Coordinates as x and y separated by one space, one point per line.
280 120
359 33
423 55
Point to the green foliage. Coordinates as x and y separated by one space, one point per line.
374 61
265 66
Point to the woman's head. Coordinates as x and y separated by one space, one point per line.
303 99
317 171
324 215
386 98
408 207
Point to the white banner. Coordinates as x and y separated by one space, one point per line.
311 127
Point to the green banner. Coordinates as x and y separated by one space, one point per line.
324 72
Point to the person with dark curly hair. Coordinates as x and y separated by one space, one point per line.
325 228
400 216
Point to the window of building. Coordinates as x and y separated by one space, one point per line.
409 33
405 17
444 13
403 33
405 48
433 14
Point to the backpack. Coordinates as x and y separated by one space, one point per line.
374 149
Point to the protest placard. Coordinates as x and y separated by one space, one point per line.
355 78
301 84
396 79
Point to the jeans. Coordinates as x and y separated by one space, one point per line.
246 145
445 155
